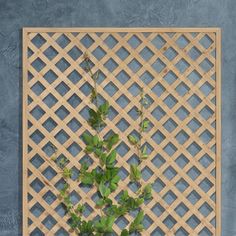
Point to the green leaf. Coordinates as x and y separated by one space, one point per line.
130 203
84 167
95 119
87 138
135 173
98 177
108 201
112 140
89 149
144 154
74 220
124 232
145 125
86 228
92 112
110 160
67 173
110 173
113 187
95 140
79 209
115 179
139 201
139 218
100 203
132 139
104 225
144 100
147 192
110 222
116 211
87 178
137 224
103 158
54 156
104 108
104 190
114 183
67 202
144 149
98 152
124 196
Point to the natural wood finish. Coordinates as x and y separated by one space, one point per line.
218 132
206 92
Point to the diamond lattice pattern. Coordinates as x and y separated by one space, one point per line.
177 72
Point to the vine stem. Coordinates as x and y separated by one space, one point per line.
89 69
141 129
94 78
141 123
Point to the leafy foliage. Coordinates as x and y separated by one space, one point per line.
125 232
105 176
97 117
111 141
104 225
133 140
135 173
104 191
86 228
147 192
137 225
130 203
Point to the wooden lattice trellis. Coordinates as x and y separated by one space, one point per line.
179 70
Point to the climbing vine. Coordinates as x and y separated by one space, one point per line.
105 176
141 149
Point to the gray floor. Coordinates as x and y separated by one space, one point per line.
16 14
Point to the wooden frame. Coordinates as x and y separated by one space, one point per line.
26 90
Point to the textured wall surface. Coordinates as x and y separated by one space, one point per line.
16 14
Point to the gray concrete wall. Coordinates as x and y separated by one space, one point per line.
15 14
